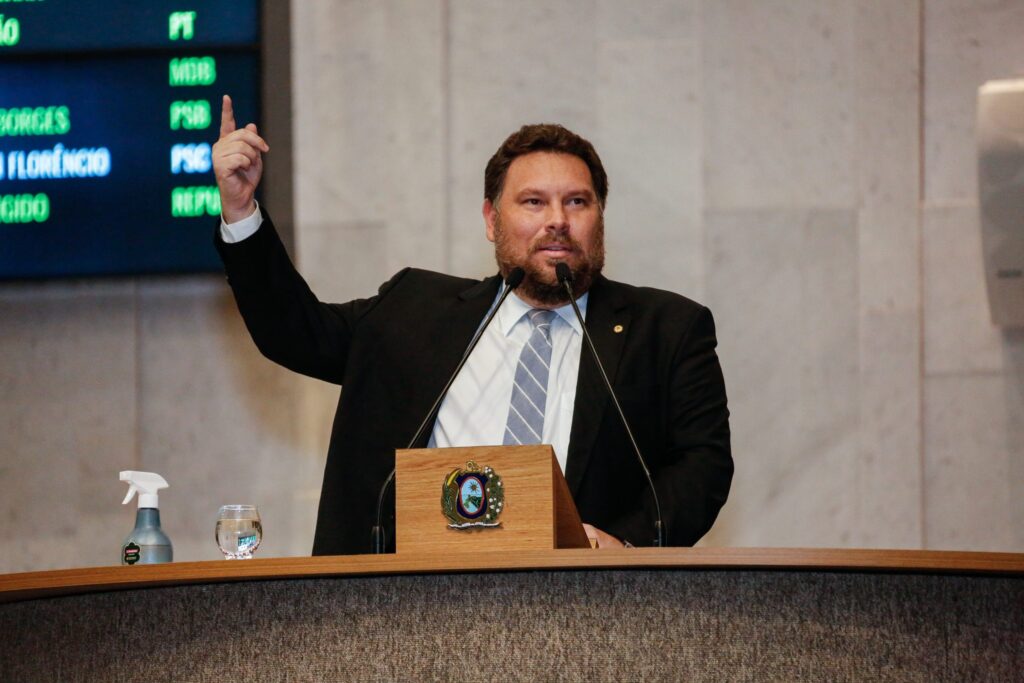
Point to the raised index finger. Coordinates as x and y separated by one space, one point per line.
227 117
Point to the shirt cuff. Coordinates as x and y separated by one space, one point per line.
240 230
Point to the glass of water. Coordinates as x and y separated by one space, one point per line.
239 531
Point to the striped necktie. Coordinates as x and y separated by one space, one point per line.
525 423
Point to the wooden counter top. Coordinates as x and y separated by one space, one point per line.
29 585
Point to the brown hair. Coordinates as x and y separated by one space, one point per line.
543 137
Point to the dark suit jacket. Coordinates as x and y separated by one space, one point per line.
393 353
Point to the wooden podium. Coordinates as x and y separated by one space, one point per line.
538 511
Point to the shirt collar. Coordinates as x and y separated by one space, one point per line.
514 309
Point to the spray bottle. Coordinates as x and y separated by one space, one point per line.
147 543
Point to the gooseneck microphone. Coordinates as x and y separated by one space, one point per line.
514 279
564 274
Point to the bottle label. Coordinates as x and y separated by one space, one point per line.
131 553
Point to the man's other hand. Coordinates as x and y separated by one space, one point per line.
600 539
237 165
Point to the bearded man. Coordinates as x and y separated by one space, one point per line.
544 196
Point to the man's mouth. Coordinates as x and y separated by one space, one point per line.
556 249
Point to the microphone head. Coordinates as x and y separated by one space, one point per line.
515 278
563 273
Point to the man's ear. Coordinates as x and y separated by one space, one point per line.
490 217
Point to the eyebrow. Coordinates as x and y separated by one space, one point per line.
584 191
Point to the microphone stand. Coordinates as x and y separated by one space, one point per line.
564 275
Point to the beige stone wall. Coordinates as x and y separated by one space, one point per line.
804 167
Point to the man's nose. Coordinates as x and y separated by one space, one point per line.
558 218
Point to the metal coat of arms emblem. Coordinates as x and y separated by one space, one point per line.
472 497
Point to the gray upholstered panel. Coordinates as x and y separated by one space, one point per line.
610 625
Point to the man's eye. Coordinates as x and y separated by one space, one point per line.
578 201
532 201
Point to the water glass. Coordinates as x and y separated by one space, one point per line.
239 531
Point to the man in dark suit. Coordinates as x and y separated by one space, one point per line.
545 191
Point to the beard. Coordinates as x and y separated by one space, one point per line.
540 284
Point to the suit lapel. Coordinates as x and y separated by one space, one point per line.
455 327
606 309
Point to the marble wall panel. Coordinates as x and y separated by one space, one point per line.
959 335
341 110
952 63
67 422
778 87
966 44
971 449
344 260
218 420
783 288
649 111
369 131
889 478
887 104
888 92
416 202
648 20
511 64
1013 364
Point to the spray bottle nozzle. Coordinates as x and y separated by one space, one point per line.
146 484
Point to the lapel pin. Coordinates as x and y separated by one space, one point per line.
618 329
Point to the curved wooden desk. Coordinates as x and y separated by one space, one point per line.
653 614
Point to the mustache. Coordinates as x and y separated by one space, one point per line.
562 240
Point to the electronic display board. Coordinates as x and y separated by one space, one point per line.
108 112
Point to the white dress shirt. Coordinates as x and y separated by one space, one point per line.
476 408
238 231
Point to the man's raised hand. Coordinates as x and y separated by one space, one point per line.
237 165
